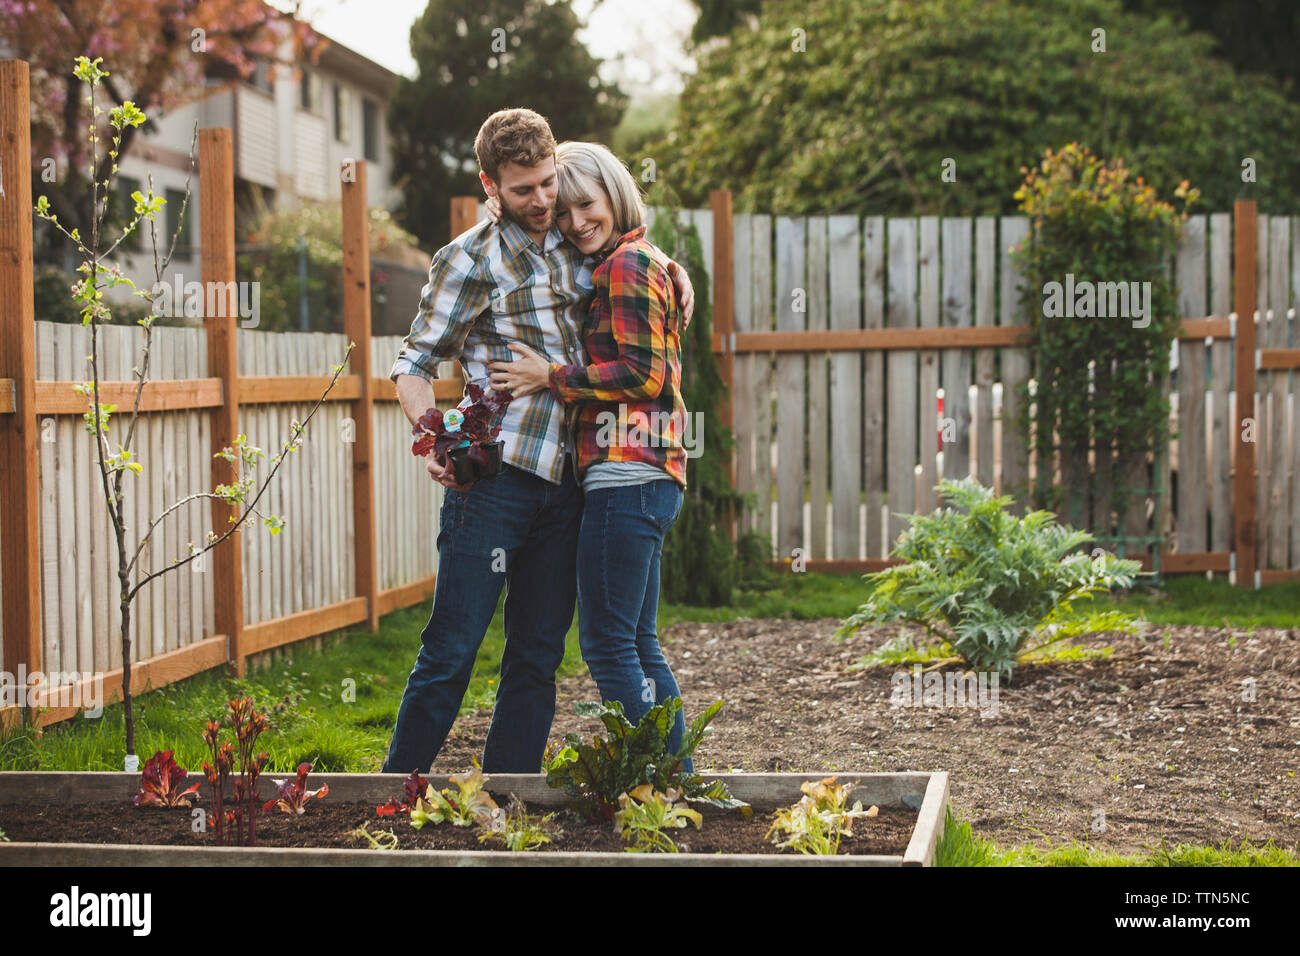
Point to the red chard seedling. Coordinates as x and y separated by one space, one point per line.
161 782
294 793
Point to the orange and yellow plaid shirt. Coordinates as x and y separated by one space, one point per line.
629 398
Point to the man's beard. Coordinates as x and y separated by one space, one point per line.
524 219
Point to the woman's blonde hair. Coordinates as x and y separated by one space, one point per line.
580 164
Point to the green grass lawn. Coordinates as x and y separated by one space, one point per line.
960 847
336 725
1188 599
340 703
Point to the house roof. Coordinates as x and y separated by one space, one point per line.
341 59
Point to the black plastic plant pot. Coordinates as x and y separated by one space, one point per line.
467 470
493 466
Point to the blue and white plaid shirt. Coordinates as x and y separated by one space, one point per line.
491 286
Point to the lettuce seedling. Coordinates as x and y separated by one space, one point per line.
815 824
413 790
294 793
472 806
645 814
161 782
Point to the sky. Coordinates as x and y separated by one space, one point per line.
617 30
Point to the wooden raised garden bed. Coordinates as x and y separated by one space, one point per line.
75 806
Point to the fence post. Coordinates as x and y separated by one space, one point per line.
217 219
464 213
356 326
1244 498
724 325
20 543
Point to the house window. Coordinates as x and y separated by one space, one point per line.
370 128
309 92
261 76
342 114
175 199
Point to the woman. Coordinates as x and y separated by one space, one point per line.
628 419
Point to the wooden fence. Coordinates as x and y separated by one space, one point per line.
360 535
842 336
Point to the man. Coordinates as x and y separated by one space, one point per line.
491 286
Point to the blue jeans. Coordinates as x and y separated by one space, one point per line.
619 549
516 530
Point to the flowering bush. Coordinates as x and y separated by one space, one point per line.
282 247
1098 380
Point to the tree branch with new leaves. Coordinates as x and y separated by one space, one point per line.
99 275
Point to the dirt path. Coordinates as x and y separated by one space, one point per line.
1161 741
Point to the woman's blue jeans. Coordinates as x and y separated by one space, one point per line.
619 547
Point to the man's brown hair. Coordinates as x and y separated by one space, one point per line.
513 136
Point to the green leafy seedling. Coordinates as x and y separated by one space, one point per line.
816 823
984 581
379 840
645 815
471 806
517 830
596 774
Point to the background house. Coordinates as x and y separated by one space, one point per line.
293 125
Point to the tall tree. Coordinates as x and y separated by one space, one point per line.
902 107
162 55
476 57
1255 36
720 17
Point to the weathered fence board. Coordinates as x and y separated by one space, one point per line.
407 501
873 387
1192 499
928 305
1221 430
1015 368
1275 501
846 381
791 382
901 428
745 411
985 359
308 565
1293 380
955 365
818 376
763 377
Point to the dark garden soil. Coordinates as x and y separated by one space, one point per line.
1159 742
327 824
